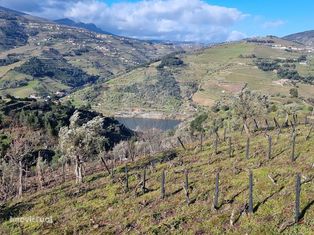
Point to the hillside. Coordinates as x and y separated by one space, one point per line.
211 133
185 81
86 56
306 38
101 204
49 117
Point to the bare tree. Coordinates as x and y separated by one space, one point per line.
24 141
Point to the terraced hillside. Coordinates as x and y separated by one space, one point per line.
205 76
84 55
102 204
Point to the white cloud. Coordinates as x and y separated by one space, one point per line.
236 35
156 19
273 24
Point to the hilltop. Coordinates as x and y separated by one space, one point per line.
89 26
306 38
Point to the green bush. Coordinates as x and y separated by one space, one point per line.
197 123
294 92
170 61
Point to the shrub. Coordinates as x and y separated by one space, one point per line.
170 61
294 92
197 123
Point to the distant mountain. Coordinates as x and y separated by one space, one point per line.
10 11
306 38
89 26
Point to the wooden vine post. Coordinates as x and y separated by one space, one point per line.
269 147
216 195
251 209
163 188
297 198
247 150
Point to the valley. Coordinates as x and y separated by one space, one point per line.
108 134
204 77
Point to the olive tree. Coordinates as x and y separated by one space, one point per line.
248 105
82 142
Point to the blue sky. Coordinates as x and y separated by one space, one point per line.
297 15
180 20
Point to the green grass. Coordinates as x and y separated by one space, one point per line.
34 86
24 91
102 206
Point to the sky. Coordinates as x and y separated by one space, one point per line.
180 20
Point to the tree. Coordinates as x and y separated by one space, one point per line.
7 170
247 105
80 143
45 142
24 140
197 125
294 92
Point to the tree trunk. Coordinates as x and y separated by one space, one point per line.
63 172
39 171
256 124
225 134
276 123
286 123
246 128
267 124
78 170
20 185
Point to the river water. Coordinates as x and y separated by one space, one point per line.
144 124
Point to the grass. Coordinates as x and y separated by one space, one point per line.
5 69
100 205
24 91
34 86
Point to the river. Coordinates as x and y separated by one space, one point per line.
144 124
